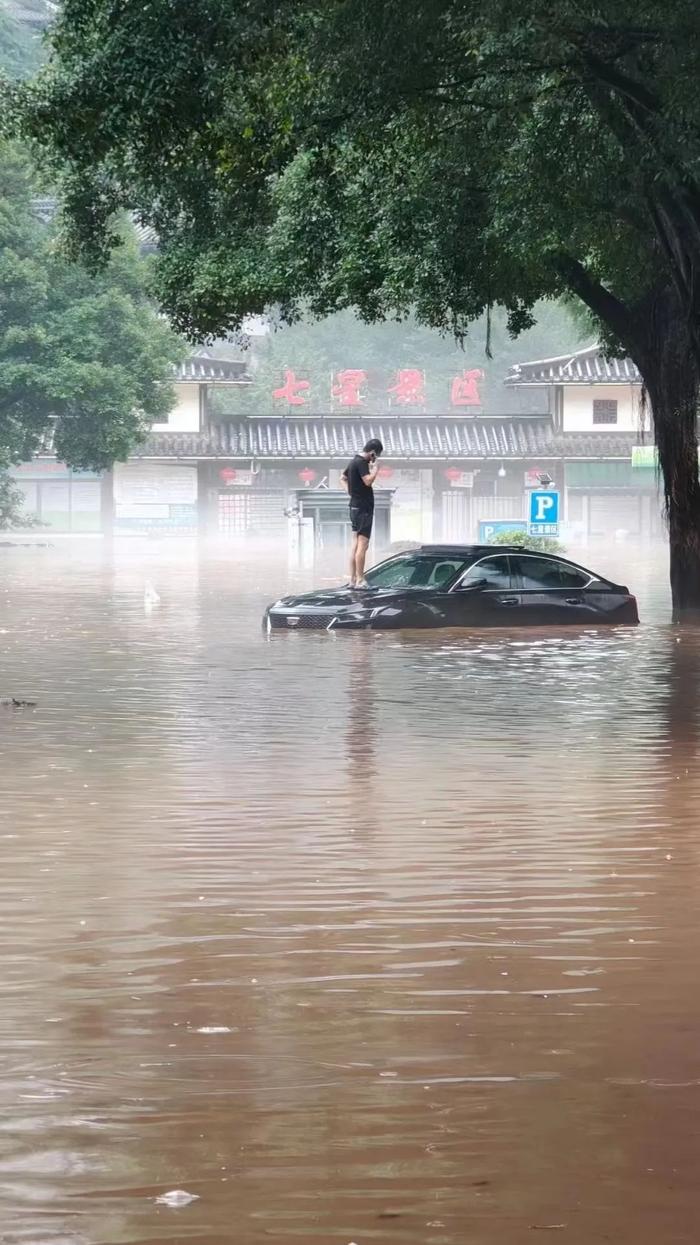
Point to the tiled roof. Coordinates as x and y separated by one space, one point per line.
146 236
44 207
202 366
594 444
585 367
414 440
333 438
402 438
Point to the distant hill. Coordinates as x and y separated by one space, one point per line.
22 23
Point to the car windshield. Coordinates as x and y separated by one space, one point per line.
416 570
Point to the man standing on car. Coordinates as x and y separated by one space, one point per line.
358 478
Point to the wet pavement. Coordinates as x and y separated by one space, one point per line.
386 939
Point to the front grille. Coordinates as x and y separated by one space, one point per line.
301 622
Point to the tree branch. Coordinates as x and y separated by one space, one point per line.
622 84
598 298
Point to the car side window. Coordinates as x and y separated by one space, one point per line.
539 573
571 578
491 572
443 572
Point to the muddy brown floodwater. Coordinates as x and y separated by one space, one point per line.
384 939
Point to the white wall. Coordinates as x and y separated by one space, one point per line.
412 507
578 407
184 416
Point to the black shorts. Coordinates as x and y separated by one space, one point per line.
361 520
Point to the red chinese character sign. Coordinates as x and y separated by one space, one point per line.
409 387
355 388
292 389
464 390
347 389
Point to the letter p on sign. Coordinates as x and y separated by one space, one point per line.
544 508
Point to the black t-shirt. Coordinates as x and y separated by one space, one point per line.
360 493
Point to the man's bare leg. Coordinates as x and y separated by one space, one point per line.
353 559
362 544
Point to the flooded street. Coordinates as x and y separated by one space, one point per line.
386 939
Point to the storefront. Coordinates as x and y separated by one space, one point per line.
613 500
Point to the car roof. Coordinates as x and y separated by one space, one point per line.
465 551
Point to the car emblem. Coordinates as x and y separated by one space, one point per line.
292 622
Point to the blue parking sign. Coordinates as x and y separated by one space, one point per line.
544 513
488 528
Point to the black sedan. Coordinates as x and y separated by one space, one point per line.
461 586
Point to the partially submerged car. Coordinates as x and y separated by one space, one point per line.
462 586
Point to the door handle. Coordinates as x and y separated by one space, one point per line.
508 601
574 600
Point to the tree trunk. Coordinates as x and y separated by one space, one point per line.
662 334
672 377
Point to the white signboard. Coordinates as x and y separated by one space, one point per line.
138 484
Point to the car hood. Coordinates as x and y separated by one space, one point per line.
342 598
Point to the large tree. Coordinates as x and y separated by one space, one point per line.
443 156
85 361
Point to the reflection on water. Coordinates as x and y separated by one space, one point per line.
371 938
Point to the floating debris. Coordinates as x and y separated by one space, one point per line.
31 544
177 1198
14 703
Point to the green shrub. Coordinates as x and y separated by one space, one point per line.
542 544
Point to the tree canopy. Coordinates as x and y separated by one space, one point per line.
337 153
85 361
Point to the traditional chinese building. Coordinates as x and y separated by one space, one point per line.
578 418
165 485
601 426
248 468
